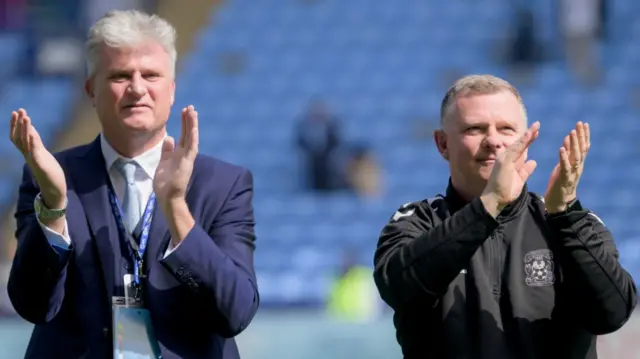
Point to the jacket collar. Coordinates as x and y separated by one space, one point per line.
455 202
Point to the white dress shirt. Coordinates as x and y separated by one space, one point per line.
145 171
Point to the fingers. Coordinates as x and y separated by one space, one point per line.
575 155
527 169
13 125
587 136
183 127
192 137
168 145
583 138
577 143
189 133
565 162
22 132
518 148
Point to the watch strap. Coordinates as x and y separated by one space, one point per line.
43 212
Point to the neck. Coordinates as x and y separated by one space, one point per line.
132 145
465 190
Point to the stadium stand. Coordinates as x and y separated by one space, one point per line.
47 99
378 63
380 80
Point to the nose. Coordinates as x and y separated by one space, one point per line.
137 86
493 140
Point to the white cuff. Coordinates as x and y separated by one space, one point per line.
170 249
61 240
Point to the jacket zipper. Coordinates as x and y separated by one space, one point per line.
496 263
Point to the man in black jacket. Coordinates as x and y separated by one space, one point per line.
489 270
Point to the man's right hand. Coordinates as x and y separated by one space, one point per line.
509 173
45 168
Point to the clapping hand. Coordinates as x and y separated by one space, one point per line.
45 168
176 163
563 182
510 173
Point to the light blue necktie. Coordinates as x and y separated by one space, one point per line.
131 200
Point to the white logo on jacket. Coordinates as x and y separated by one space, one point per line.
404 211
538 266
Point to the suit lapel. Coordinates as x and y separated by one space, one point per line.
90 181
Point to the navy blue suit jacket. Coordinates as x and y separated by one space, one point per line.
199 297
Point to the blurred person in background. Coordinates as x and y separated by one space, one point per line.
53 34
132 206
490 270
603 17
54 30
318 138
581 21
353 296
525 49
363 173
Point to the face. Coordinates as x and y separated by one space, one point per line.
478 129
132 89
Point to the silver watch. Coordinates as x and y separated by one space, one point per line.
43 212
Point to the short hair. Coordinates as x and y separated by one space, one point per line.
127 28
476 85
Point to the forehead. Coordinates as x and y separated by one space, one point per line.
501 107
147 55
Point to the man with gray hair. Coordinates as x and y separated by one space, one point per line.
490 270
133 243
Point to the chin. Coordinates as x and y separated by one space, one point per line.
485 172
138 122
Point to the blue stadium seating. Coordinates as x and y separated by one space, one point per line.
377 63
47 100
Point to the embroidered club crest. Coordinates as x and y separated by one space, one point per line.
538 266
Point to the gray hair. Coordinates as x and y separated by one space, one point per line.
476 85
129 28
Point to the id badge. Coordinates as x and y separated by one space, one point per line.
133 336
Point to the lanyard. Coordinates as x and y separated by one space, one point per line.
136 252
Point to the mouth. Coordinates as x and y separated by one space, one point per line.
134 107
488 161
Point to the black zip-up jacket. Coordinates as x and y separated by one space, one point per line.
524 285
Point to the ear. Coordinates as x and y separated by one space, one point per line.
89 89
440 138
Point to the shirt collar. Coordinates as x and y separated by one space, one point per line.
148 160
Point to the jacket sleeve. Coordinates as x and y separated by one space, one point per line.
600 293
417 258
218 264
38 273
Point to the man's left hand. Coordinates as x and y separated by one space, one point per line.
176 163
564 179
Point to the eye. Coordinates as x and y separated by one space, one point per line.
151 76
118 77
473 129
